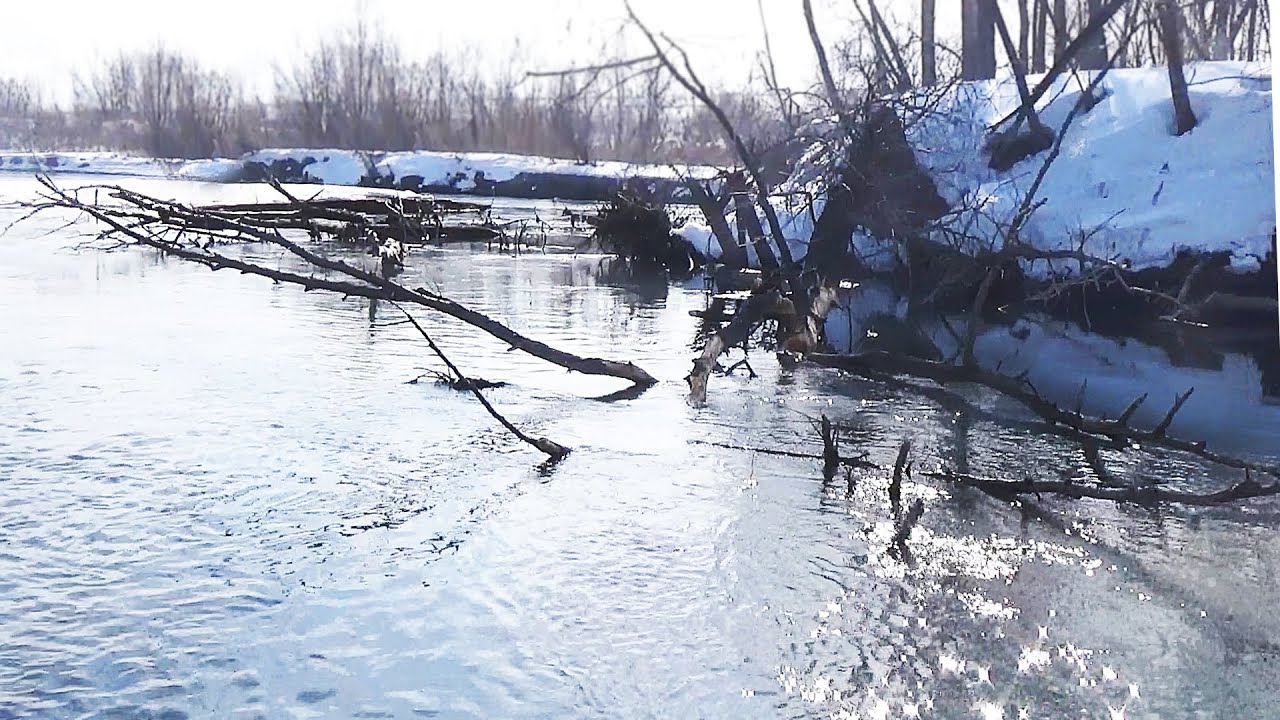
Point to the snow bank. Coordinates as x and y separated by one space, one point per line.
1228 409
105 163
1139 193
325 166
461 170
490 173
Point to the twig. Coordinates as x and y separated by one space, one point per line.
860 461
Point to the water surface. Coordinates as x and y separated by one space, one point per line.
219 498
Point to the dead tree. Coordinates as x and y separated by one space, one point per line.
1024 30
1011 146
1097 23
1169 18
688 79
1060 34
192 234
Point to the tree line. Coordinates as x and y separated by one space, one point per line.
356 90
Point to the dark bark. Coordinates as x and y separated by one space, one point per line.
876 363
555 451
731 253
824 69
1028 108
1150 494
689 81
1060 63
1169 17
1039 26
1093 55
1024 29
928 46
747 316
978 49
1059 30
148 222
899 66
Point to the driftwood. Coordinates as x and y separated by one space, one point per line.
749 314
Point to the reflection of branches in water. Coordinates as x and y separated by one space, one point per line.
1147 494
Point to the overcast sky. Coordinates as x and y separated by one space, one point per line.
46 42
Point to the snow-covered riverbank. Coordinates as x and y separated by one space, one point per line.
425 171
1124 187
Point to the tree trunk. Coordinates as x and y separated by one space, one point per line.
928 50
1171 38
1038 27
1059 28
978 48
1024 29
1093 56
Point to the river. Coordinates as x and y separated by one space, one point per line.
220 498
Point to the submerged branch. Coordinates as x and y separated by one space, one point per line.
1143 495
1018 388
554 451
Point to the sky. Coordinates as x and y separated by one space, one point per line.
47 42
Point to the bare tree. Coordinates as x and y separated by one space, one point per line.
1060 32
1040 21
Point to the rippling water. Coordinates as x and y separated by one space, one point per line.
219 498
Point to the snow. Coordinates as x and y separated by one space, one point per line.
1128 187
348 167
1227 409
461 169
327 166
1124 183
796 217
117 164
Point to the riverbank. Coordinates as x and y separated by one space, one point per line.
440 173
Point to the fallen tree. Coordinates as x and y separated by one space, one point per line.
198 234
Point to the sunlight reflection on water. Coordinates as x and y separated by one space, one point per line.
219 498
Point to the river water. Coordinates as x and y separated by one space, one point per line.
220 498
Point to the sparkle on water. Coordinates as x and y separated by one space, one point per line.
219 498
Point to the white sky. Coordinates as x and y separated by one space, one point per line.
46 42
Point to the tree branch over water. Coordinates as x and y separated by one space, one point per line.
177 229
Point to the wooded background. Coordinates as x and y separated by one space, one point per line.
355 90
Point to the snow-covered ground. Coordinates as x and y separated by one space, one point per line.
107 163
459 171
441 168
1124 181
